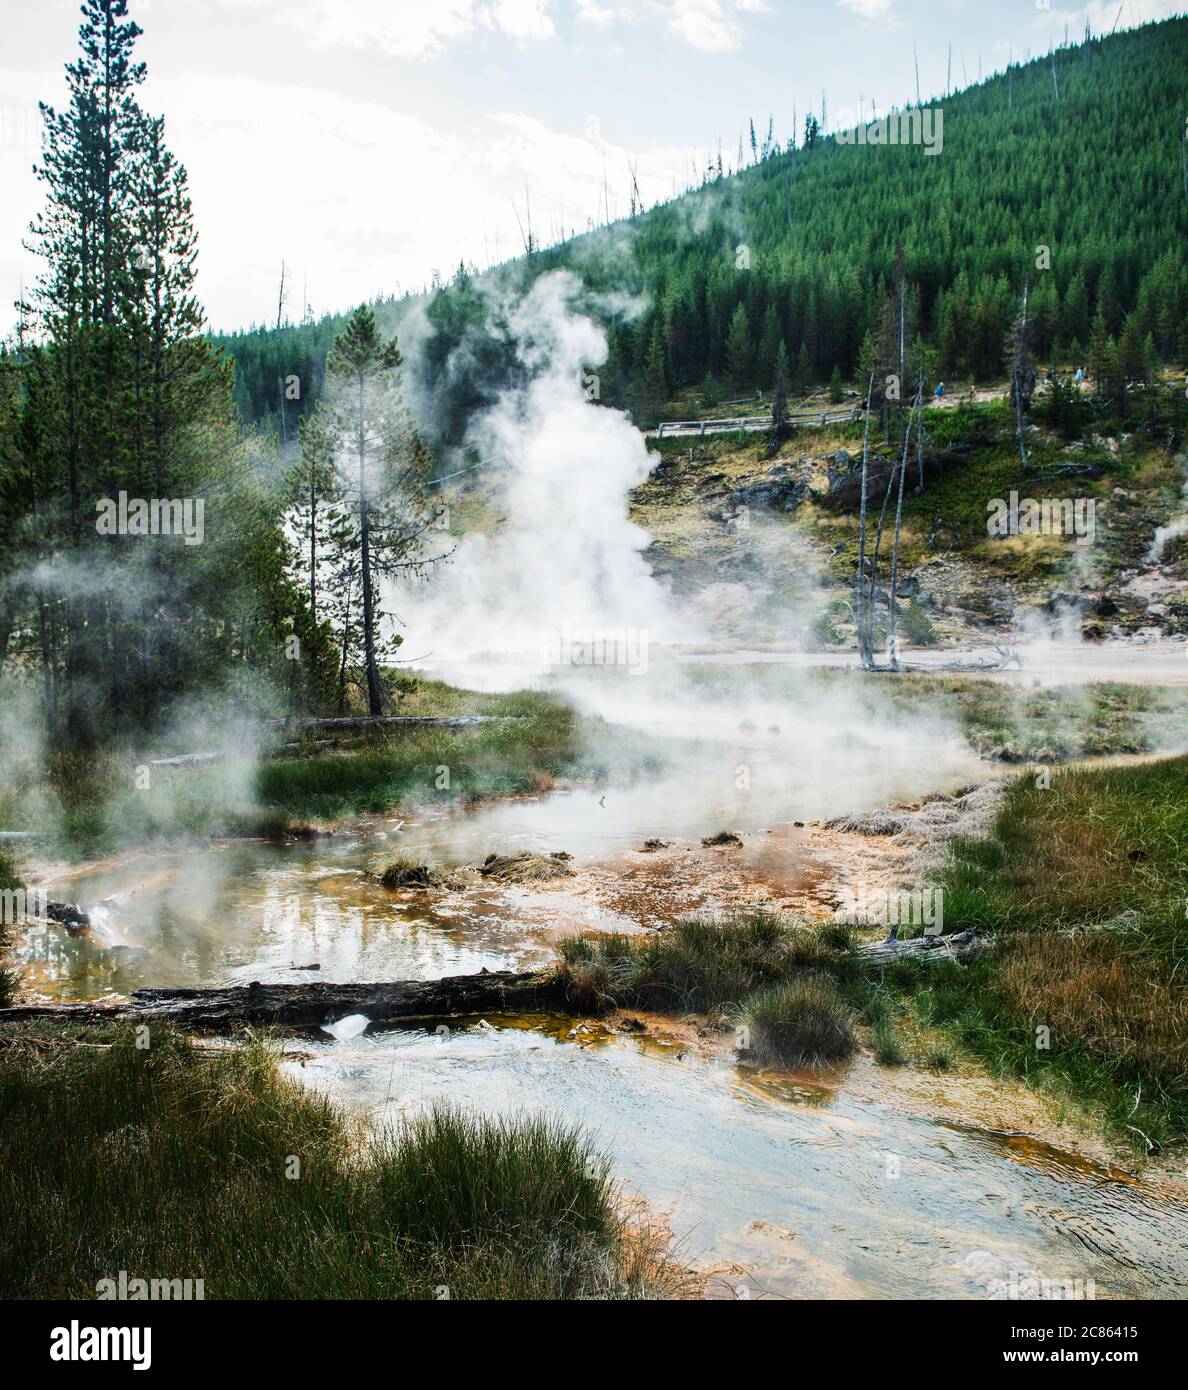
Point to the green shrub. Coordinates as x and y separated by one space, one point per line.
799 1021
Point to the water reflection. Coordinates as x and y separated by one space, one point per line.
789 1187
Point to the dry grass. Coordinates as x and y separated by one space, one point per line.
407 873
527 867
1085 883
1089 989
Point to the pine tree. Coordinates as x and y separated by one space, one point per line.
382 470
313 483
122 392
1130 352
769 344
740 352
1099 351
655 375
1023 372
802 373
779 393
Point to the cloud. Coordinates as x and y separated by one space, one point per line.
602 15
1105 16
873 11
394 198
410 28
522 19
711 25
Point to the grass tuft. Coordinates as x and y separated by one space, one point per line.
799 1022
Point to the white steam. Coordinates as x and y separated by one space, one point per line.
1178 526
564 554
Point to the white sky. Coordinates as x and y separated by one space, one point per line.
370 142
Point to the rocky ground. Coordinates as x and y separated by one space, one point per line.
765 544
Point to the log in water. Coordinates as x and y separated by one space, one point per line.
310 1005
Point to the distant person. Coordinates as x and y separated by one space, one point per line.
1080 376
940 389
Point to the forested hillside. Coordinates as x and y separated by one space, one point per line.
1081 152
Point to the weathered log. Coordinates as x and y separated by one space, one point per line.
964 945
188 760
307 1006
452 721
958 946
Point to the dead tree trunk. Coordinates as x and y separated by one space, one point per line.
306 1007
865 598
892 596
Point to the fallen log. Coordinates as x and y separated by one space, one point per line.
958 946
349 722
188 760
308 1006
964 945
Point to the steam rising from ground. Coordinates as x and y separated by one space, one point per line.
1178 526
566 559
564 556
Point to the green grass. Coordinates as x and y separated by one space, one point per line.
696 965
1014 723
97 803
174 1162
407 765
887 1046
803 1021
1011 722
1100 1017
1097 846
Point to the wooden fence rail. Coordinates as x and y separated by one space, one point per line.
671 429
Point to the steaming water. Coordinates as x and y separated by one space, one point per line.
1050 663
803 1186
253 910
780 1185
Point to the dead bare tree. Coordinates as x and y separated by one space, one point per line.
892 596
865 649
280 310
1023 374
